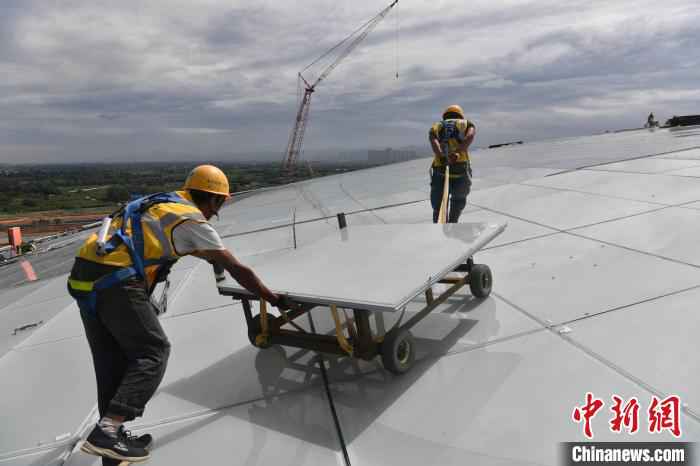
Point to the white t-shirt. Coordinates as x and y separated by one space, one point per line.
193 236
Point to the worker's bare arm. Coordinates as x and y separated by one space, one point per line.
468 138
435 145
240 272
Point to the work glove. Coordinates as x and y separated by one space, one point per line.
283 302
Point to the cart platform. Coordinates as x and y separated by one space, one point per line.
364 268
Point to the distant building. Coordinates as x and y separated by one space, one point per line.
390 155
684 120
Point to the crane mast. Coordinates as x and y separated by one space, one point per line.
343 48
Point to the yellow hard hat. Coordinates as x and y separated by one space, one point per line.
454 109
208 178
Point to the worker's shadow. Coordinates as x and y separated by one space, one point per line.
294 399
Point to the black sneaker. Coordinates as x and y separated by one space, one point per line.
100 444
141 441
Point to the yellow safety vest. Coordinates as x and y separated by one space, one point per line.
158 222
458 130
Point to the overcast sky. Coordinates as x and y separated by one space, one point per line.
101 80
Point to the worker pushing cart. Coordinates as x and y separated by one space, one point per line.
374 268
112 278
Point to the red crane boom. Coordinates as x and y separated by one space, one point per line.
344 48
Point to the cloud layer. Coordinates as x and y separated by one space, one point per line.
176 79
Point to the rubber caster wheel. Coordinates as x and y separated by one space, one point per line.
254 330
480 280
398 351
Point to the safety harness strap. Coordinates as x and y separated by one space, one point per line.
86 291
135 243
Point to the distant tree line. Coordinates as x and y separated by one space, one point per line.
25 188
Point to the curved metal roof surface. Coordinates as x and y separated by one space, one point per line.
597 279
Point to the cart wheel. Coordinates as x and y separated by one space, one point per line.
398 351
254 330
480 280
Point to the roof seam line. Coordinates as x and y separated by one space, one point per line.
607 196
623 160
662 172
342 188
543 323
558 230
646 253
490 248
331 402
626 306
318 219
487 344
609 364
203 413
624 217
578 235
628 375
185 314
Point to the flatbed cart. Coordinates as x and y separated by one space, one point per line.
374 268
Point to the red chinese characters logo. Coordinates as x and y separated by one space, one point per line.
665 415
627 416
662 414
586 412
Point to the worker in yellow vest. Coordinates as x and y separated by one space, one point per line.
450 140
112 281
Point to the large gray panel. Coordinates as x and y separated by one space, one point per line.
12 294
505 404
377 267
664 189
692 154
415 212
562 277
422 212
517 230
654 341
213 366
576 152
556 208
693 172
66 324
294 429
462 322
18 325
648 165
671 232
53 289
48 457
47 392
196 293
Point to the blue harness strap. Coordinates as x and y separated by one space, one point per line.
448 131
87 301
134 243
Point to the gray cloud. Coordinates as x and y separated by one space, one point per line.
152 79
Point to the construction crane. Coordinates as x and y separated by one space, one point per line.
343 49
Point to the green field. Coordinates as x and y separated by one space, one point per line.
35 188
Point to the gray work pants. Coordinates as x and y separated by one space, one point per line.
129 349
459 189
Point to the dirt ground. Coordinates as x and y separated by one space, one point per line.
37 224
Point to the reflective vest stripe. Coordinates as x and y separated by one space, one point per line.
157 228
80 285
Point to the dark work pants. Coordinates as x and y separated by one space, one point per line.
129 349
459 189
